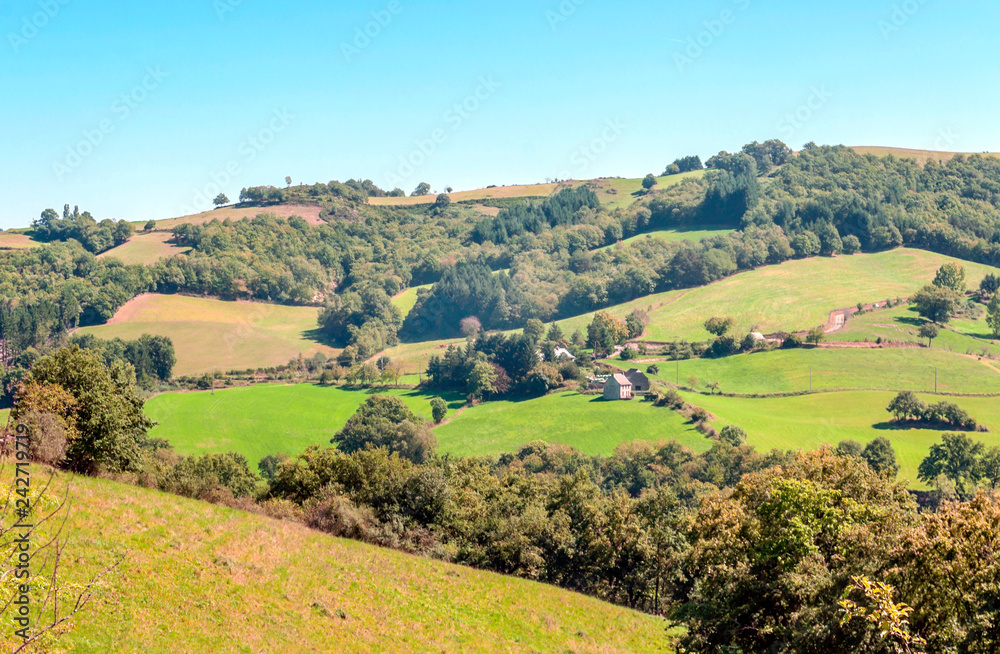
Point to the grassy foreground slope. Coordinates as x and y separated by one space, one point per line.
585 422
808 421
201 578
215 335
791 296
260 420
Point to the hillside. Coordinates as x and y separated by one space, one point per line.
252 584
310 213
213 335
921 156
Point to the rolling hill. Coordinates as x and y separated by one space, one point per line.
213 335
201 578
145 249
310 213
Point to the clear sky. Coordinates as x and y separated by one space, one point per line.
139 109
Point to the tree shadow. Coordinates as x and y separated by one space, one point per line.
318 336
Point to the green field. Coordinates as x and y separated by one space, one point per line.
145 249
202 578
260 420
620 193
213 335
585 422
783 371
673 236
807 422
791 296
406 300
902 323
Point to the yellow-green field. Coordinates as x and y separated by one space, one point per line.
201 578
310 213
791 296
145 249
621 193
213 335
16 241
406 300
672 236
921 156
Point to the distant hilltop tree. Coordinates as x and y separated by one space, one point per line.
649 181
220 200
684 165
423 188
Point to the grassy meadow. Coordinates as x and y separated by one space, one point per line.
672 236
784 371
807 422
16 241
251 584
790 296
406 300
260 420
145 249
213 335
902 324
585 422
921 156
310 213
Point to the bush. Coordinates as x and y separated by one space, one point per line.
791 342
439 409
733 435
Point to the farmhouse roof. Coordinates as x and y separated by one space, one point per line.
622 379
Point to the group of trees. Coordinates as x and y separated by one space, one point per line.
96 237
151 357
907 406
559 210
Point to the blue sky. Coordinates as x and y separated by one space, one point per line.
141 110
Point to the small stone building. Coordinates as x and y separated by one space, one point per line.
618 387
639 381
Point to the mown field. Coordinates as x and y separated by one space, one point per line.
585 422
16 241
260 420
202 578
784 371
902 324
145 249
213 335
810 421
620 193
406 300
310 213
791 296
921 156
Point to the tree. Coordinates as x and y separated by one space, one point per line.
288 180
482 380
990 285
555 334
534 329
733 434
719 326
957 459
385 421
439 409
881 457
930 331
951 276
470 326
936 303
107 417
993 315
442 201
220 200
653 369
815 335
906 405
849 447
649 181
852 245
269 465
423 188
887 620
149 226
